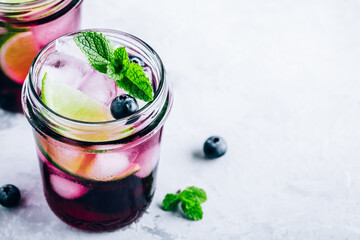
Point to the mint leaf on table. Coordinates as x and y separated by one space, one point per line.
193 194
191 199
170 202
192 209
115 64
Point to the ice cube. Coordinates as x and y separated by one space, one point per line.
68 46
64 68
99 87
67 189
111 164
147 159
71 159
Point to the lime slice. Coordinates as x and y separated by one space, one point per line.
72 103
76 162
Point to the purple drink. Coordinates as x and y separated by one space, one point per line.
26 26
102 205
97 176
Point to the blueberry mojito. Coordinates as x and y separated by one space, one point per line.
26 26
97 102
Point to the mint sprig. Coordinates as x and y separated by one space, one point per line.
190 199
192 209
115 64
97 49
170 202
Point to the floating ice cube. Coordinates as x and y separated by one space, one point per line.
64 68
67 45
78 74
67 189
111 164
99 87
71 159
147 159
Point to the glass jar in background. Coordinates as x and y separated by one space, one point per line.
26 26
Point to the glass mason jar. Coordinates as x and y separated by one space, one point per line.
26 26
99 176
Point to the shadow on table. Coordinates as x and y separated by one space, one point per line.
199 154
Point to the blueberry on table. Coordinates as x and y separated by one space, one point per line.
137 60
215 147
123 106
9 195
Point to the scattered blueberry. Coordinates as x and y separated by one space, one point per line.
9 195
123 106
137 60
215 147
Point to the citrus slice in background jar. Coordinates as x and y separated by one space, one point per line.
17 54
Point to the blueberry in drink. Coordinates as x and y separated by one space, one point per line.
123 106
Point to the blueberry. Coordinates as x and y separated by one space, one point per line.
9 195
137 60
123 106
215 147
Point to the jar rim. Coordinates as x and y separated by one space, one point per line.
33 10
26 5
160 91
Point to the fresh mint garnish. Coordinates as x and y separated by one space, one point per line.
97 49
136 83
190 199
120 60
115 64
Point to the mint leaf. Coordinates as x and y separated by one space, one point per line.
119 64
120 60
170 202
113 74
136 83
193 194
97 49
193 210
115 64
190 198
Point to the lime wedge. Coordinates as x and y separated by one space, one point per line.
72 103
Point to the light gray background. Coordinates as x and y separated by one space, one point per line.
279 80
